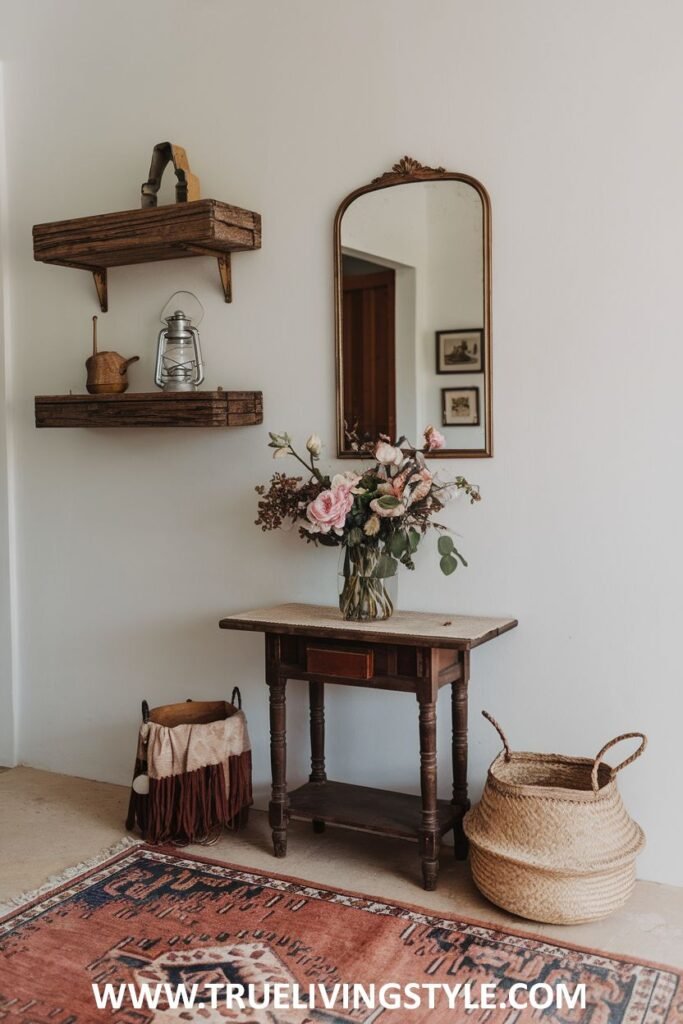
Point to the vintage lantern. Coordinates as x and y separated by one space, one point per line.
179 364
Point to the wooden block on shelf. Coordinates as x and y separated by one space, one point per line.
204 227
156 409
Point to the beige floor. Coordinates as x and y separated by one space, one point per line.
49 822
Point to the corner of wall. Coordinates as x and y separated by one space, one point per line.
8 645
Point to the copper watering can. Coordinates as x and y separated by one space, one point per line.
107 371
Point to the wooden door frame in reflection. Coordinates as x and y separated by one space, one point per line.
402 173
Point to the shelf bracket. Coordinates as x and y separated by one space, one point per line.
100 278
225 270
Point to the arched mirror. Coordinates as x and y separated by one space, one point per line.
413 299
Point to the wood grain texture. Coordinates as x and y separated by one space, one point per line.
204 227
459 752
328 661
278 807
154 409
373 810
429 823
316 692
435 630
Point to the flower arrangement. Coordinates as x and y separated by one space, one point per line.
378 515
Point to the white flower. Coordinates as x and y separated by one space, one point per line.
282 453
314 445
347 479
372 527
387 455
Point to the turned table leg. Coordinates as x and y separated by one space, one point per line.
316 692
429 834
277 809
459 716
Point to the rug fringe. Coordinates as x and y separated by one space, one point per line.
16 902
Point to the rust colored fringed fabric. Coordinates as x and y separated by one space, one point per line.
195 760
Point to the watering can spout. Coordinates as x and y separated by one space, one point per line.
126 364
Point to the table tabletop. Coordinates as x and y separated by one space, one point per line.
433 629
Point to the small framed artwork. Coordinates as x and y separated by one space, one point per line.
460 351
460 407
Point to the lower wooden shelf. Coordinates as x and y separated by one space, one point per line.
373 810
156 409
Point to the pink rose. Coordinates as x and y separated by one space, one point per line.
434 439
329 510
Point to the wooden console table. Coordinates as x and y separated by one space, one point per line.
412 652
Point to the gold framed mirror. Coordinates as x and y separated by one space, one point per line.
412 273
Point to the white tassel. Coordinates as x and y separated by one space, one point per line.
141 785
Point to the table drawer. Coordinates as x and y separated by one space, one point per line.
339 662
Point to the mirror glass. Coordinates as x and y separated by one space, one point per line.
413 335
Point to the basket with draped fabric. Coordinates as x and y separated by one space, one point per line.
192 771
551 839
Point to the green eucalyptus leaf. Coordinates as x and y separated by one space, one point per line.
386 566
445 545
413 539
397 543
388 501
448 565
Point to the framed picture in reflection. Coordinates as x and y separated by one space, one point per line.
460 351
460 407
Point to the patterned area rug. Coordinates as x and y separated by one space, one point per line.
153 916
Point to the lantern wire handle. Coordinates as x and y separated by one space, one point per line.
170 308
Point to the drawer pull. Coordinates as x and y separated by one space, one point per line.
342 664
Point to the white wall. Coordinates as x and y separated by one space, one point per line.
7 676
565 112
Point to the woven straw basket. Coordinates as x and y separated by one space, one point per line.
551 839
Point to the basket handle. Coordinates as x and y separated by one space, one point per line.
629 760
236 697
496 726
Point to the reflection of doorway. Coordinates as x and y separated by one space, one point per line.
369 347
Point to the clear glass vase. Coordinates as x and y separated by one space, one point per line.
367 583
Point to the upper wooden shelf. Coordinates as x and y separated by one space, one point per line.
203 227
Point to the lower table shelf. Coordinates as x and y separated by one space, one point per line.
373 810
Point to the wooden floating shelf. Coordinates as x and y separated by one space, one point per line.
203 227
157 409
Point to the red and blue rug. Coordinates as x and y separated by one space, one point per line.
168 920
